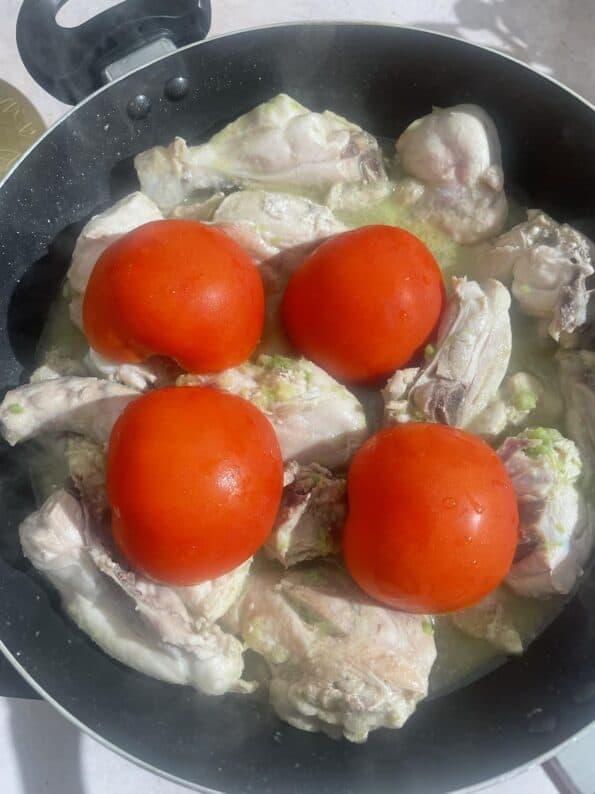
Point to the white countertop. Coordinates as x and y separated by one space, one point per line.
39 750
555 36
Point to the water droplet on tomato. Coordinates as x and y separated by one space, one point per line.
449 502
403 315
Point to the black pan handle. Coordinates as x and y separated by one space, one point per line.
70 63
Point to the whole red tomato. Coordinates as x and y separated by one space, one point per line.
175 288
194 479
433 519
364 302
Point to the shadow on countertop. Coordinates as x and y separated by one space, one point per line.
556 37
47 748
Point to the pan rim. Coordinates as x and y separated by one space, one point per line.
297 24
63 711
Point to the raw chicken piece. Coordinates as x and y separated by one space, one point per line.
102 230
266 223
452 157
86 461
169 176
316 419
155 373
213 598
290 472
520 398
548 263
397 407
202 210
468 365
88 406
491 620
556 533
339 663
467 214
142 624
312 513
456 144
577 379
278 142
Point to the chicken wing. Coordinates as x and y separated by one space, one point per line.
89 406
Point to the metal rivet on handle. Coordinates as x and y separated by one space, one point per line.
138 107
176 88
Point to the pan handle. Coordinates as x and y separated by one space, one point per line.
71 63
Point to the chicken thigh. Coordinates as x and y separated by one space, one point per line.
317 420
468 365
339 663
142 624
556 532
278 142
454 172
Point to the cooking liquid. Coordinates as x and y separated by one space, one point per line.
461 659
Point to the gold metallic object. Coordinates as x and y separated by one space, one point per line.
20 125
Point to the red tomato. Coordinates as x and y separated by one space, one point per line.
433 519
194 478
175 288
364 302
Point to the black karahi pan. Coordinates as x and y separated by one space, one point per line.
382 78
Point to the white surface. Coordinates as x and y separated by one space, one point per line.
554 35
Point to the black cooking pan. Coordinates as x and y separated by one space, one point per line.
382 78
